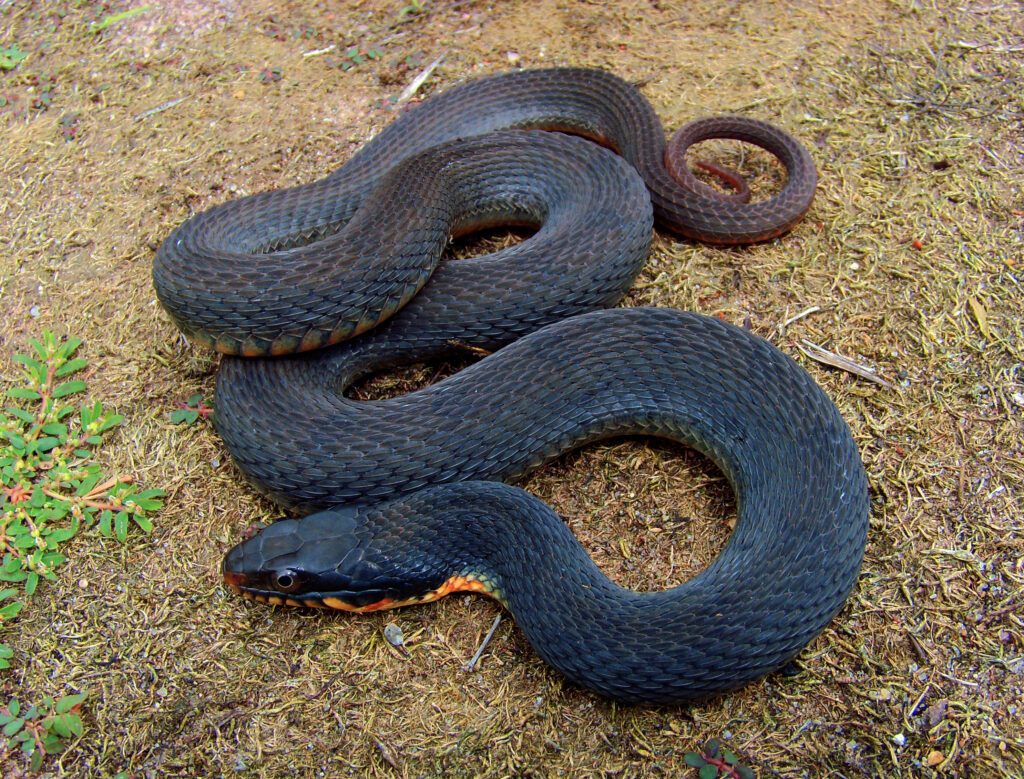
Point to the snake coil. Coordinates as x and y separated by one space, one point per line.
406 491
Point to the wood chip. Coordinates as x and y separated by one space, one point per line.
822 355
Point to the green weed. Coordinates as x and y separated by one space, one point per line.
49 489
717 762
41 730
11 56
189 411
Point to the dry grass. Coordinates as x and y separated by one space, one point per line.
910 260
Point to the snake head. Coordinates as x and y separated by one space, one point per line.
331 559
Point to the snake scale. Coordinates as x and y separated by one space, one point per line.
407 493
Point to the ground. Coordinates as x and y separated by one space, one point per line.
907 264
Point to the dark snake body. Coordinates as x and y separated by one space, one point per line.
794 467
300 268
246 277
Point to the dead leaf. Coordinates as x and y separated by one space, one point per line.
935 713
980 315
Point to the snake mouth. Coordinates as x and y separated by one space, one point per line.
254 588
361 602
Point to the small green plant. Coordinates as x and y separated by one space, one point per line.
354 56
412 8
714 761
41 730
11 56
189 411
110 19
67 126
270 75
49 488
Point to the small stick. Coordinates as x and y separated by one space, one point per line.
318 52
417 82
801 315
159 108
836 361
487 639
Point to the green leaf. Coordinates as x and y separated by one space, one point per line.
31 582
14 707
59 509
708 772
712 747
692 758
21 414
56 558
56 429
186 415
14 726
105 518
23 393
60 727
11 56
16 441
143 523
88 483
70 367
121 526
743 772
111 421
27 361
68 702
76 385
60 535
728 756
110 19
46 443
35 762
42 351
194 400
69 347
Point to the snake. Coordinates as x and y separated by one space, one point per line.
306 290
300 268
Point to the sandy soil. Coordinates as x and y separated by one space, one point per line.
908 263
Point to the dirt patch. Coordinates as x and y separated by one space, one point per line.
908 263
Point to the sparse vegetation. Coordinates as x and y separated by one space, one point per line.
716 762
50 487
41 730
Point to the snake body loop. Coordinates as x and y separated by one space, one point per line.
794 467
289 270
407 517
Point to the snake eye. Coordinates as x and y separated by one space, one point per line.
286 581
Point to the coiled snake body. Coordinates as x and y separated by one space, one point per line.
407 517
